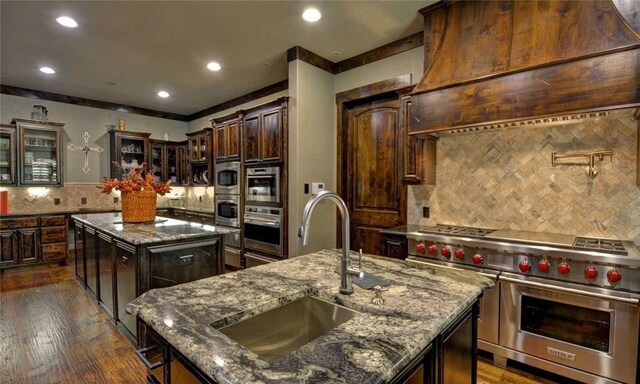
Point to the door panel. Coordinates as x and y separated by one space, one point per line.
251 139
233 139
29 245
374 194
271 140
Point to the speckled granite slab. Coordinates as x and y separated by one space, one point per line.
371 348
165 230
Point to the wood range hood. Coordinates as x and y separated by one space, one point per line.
494 64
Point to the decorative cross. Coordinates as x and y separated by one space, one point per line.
86 149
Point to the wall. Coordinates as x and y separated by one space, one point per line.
312 152
204 122
505 179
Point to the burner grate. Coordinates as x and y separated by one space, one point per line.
596 244
458 230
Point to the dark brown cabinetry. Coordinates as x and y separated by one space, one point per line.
165 161
126 266
39 152
418 153
9 248
7 154
129 149
106 273
78 239
91 260
227 138
200 153
263 135
53 235
33 239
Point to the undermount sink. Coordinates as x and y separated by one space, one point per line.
285 329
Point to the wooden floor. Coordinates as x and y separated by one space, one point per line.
52 331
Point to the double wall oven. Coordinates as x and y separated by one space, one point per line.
566 304
228 177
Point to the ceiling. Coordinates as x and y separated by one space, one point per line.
125 52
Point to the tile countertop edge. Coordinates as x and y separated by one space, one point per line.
373 347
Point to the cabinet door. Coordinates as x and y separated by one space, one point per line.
40 154
271 138
221 141
394 246
91 259
7 156
8 248
233 140
251 139
126 266
79 253
172 166
158 159
459 353
29 245
105 264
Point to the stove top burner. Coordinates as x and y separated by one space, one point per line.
458 230
596 244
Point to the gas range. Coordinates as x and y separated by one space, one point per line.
605 263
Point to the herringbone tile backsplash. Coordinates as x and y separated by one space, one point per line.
505 179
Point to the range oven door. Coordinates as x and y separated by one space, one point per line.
228 210
489 303
228 178
586 328
263 185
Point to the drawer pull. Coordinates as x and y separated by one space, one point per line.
150 365
125 261
185 260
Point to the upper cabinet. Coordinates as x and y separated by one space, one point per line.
7 154
262 132
39 153
129 149
227 138
200 154
165 161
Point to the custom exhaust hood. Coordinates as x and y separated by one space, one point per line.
493 64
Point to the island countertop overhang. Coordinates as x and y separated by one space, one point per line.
373 347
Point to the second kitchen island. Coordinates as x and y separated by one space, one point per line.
116 262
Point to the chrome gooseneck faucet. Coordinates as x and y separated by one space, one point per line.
346 272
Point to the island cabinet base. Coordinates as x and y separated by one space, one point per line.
450 358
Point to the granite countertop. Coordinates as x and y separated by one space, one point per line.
371 348
164 229
80 210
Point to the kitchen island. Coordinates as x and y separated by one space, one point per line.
116 261
404 337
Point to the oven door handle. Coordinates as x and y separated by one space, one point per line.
625 300
274 224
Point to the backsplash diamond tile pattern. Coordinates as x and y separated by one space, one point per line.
505 179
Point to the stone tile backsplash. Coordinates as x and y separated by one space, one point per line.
505 179
42 199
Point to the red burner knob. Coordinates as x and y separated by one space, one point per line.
614 276
524 266
590 272
432 249
446 252
420 248
477 259
459 253
564 268
544 265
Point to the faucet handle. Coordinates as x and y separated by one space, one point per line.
360 259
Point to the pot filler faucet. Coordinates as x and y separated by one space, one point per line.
346 272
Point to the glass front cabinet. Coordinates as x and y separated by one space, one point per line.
128 150
39 153
7 154
165 161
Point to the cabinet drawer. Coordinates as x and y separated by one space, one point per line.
27 222
54 235
54 251
233 257
53 221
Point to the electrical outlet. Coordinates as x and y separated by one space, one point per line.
425 212
56 201
83 200
116 200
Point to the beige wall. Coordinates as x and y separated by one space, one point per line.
204 122
77 120
312 152
505 179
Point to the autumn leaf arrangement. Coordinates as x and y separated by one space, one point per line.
134 180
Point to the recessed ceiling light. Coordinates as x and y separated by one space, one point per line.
163 94
213 66
47 70
311 14
67 21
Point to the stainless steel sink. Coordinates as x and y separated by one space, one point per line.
282 330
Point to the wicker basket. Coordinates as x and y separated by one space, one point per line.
139 206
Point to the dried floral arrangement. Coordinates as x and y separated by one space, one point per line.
134 181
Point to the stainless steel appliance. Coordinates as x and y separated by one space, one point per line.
567 304
228 178
262 229
228 210
263 185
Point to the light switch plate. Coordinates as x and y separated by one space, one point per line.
316 187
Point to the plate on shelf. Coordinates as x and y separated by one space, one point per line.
204 177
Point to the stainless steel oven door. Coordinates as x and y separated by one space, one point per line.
586 328
263 185
228 210
228 178
263 234
488 319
